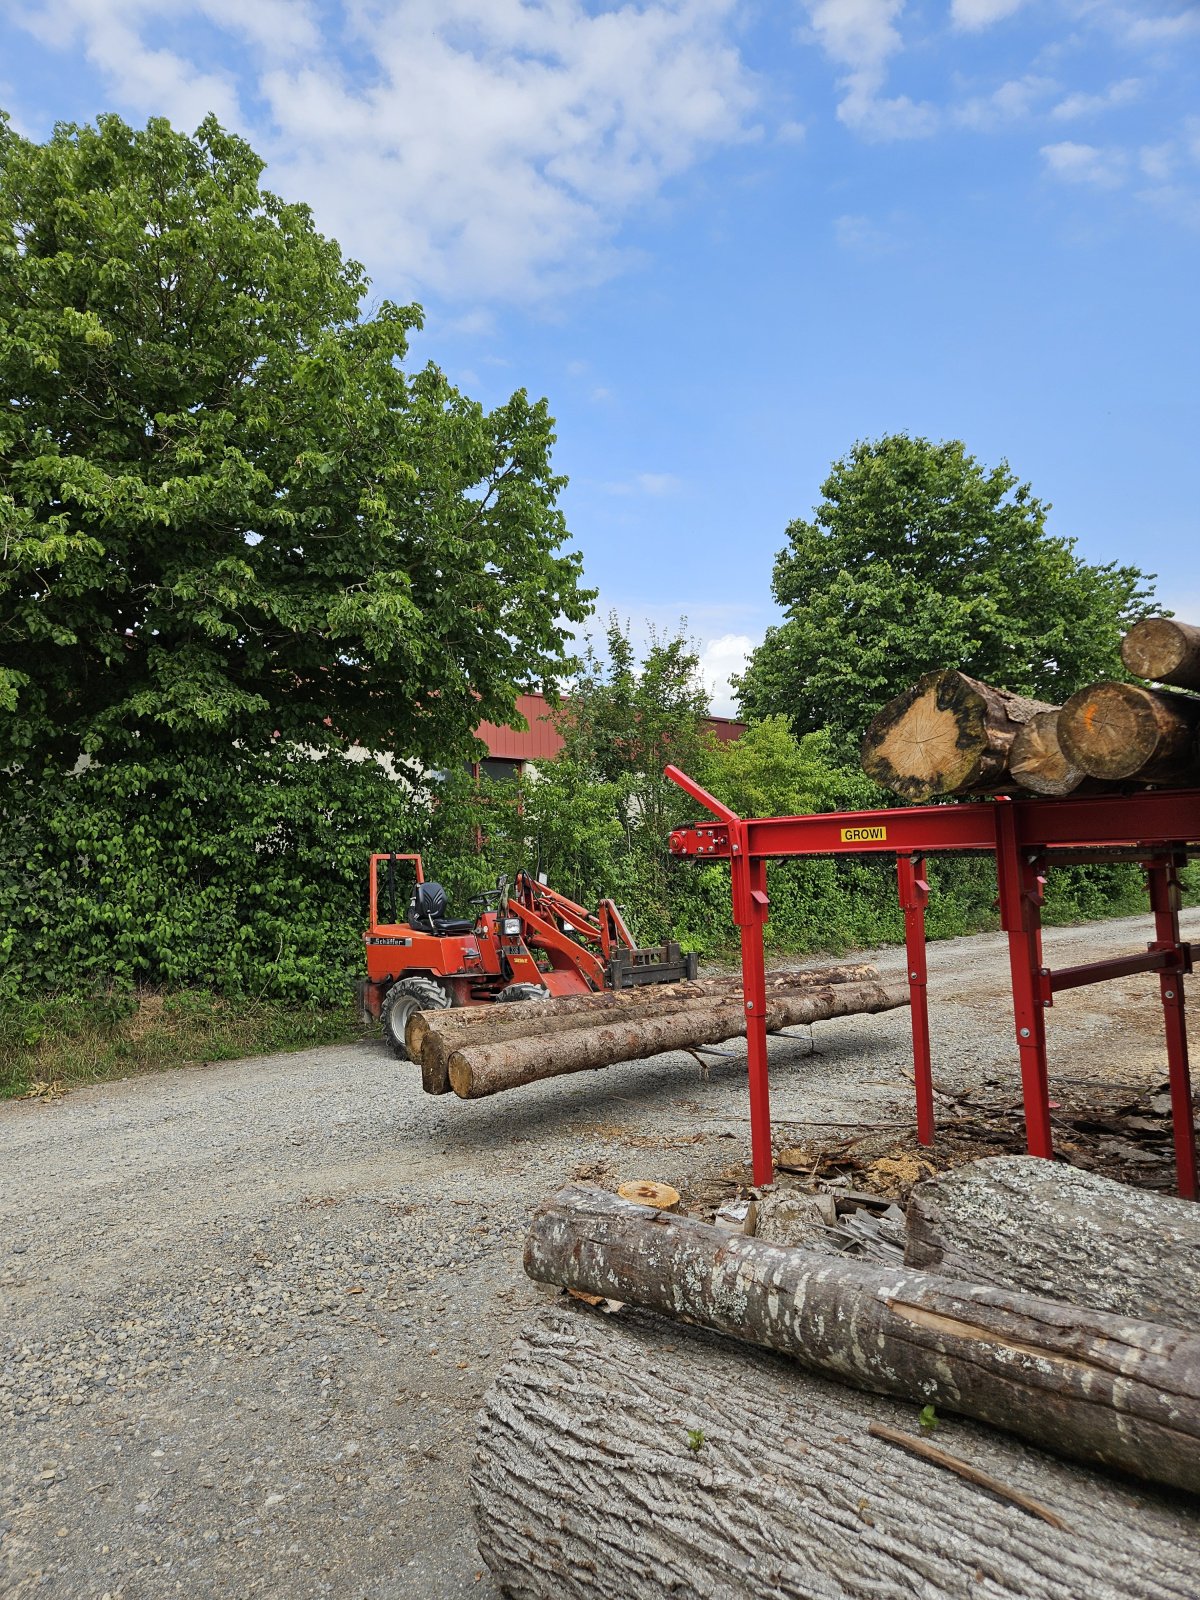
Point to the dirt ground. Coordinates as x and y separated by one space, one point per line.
249 1310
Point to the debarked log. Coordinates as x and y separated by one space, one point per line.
946 734
1106 1390
619 1458
431 1035
478 1070
1054 1230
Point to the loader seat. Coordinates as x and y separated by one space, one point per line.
427 913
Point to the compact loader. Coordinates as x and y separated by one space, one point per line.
530 943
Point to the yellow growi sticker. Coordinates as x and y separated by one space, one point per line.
864 835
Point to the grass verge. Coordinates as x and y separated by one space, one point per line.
77 1039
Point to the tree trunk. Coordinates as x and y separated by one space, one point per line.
1095 1387
947 734
1054 1230
586 1487
431 1035
1163 650
1038 762
1119 730
478 1070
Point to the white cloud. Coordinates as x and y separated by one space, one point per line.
1085 163
600 394
861 35
1011 102
971 15
488 149
1090 105
862 236
651 483
721 659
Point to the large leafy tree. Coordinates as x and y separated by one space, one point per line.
919 557
227 513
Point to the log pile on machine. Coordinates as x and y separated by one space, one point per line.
1010 1411
949 734
482 1050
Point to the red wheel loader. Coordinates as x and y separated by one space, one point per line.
528 944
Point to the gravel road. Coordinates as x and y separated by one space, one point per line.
249 1310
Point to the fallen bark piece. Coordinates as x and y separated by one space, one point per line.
947 734
479 1070
1038 762
613 1465
964 1469
645 1192
430 1036
1120 730
1054 1230
1102 1389
1163 650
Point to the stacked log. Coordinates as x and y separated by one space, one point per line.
480 1050
949 734
617 1457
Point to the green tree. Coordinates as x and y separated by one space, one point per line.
919 557
768 772
228 513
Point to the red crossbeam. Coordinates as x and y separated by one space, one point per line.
1026 837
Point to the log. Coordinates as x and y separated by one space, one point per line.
1120 730
431 1035
1097 1388
1054 1230
1038 762
478 1070
947 734
585 1486
1163 650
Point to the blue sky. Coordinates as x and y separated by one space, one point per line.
728 238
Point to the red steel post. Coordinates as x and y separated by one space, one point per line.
749 878
1163 876
914 896
1020 917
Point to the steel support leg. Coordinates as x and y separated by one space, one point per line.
1020 916
750 912
914 896
1163 876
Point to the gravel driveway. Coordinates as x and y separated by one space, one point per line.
249 1310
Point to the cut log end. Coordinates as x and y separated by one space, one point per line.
1119 730
1164 651
645 1192
947 734
1037 760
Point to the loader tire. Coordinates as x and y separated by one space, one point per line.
523 991
399 1003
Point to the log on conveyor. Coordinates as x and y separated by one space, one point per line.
1163 650
1038 762
431 1035
1101 1389
1120 730
947 734
1053 1230
484 1069
586 1486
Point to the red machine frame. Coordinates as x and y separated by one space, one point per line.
1026 837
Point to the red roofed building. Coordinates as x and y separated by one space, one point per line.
510 750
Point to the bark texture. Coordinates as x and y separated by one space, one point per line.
431 1035
478 1070
1120 730
1098 1388
1057 1231
947 734
1163 650
1037 760
584 1486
